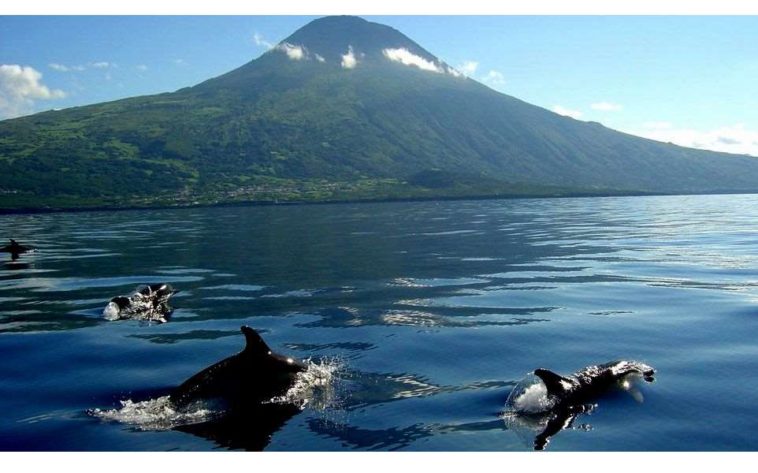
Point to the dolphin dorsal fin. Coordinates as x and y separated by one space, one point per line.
254 344
556 384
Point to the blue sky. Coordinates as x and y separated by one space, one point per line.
690 80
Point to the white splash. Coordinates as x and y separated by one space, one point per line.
111 311
529 396
315 386
154 414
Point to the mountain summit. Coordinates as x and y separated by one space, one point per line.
341 42
341 109
332 38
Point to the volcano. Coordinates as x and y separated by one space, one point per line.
341 109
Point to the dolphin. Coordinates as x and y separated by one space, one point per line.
238 402
243 381
148 302
15 249
565 398
587 384
242 386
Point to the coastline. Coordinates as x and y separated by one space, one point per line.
262 203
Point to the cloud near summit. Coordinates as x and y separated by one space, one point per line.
406 57
294 52
349 60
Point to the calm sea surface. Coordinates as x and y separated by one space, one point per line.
426 313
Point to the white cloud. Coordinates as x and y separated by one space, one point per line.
406 57
141 67
297 52
567 112
606 107
494 78
180 62
64 68
58 67
294 52
19 87
469 68
348 60
736 138
102 65
260 41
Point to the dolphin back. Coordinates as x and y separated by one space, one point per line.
16 248
254 344
592 380
208 384
556 384
250 377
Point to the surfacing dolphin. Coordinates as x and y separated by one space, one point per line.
244 387
554 404
148 302
253 376
15 249
587 384
238 402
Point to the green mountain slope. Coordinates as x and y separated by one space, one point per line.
297 124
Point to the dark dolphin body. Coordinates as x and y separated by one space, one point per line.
149 302
15 249
569 396
252 376
587 384
242 385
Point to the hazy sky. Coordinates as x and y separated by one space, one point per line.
690 80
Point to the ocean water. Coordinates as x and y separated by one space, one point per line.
418 320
